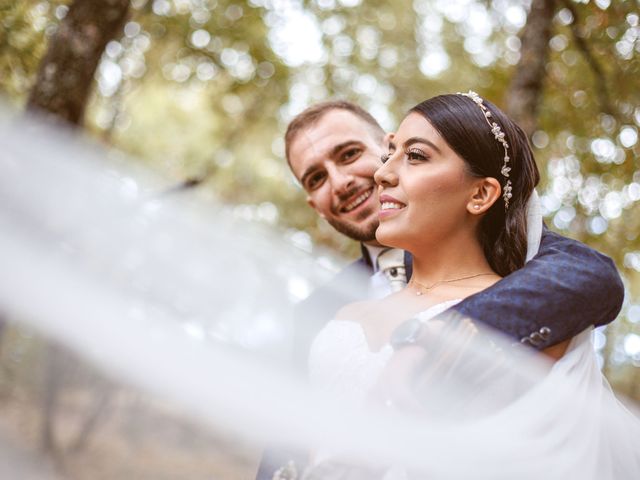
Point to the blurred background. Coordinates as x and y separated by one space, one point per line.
201 91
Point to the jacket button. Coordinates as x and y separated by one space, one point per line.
536 339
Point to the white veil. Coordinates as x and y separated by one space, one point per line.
534 225
173 296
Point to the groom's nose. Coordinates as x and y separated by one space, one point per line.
342 180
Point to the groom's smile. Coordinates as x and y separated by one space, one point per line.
356 200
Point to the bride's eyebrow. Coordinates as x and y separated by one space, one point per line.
413 140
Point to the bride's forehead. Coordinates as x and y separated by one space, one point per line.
415 125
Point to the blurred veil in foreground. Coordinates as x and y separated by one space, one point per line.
147 333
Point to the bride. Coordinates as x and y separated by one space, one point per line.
454 189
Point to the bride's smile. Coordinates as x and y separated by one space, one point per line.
389 206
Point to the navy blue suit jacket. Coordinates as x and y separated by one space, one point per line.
564 289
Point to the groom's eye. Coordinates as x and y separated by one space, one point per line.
315 180
350 154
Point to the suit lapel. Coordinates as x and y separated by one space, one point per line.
408 264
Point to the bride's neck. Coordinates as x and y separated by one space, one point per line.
446 260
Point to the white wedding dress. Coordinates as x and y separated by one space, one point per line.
341 362
566 422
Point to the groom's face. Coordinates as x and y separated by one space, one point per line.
335 159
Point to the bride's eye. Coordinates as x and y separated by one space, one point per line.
417 155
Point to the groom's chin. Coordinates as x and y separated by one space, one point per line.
363 232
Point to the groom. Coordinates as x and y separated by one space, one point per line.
333 149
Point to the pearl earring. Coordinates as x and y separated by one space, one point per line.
477 207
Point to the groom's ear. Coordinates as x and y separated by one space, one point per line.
387 138
486 192
312 204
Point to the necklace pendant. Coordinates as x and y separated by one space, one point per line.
418 293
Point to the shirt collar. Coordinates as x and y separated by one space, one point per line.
373 253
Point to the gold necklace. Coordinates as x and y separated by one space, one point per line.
440 282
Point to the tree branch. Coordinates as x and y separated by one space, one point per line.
65 75
525 91
578 37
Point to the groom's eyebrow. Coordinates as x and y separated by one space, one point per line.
333 153
341 146
413 140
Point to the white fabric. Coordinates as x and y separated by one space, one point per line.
534 225
568 425
341 362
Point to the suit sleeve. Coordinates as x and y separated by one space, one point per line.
563 290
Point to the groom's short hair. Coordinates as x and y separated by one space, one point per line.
314 113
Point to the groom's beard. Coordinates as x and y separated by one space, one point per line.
363 233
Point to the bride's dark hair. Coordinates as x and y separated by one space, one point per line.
461 123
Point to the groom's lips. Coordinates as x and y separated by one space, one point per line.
356 200
389 206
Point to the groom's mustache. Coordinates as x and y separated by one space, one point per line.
346 197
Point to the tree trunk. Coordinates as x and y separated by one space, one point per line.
97 410
525 90
65 75
590 58
53 374
3 326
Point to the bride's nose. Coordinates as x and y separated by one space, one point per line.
385 176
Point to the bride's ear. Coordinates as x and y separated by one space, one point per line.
485 193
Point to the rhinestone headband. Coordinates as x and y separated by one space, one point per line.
499 136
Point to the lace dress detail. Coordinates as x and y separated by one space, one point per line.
341 362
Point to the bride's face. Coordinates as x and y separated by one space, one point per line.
424 188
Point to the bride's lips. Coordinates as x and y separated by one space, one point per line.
357 200
389 206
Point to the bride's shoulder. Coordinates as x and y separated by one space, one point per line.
357 310
376 309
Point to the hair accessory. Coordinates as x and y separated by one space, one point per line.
499 136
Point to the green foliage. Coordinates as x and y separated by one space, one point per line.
25 25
